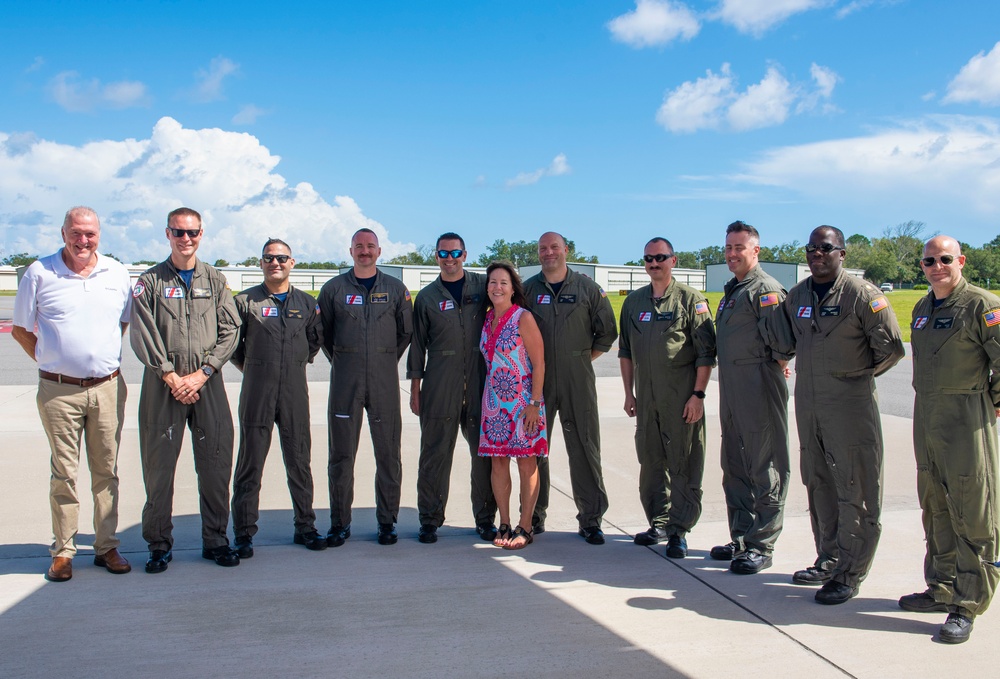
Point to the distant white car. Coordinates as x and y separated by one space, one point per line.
886 287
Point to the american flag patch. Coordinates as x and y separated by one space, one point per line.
266 311
878 304
603 294
446 304
173 293
992 318
407 295
355 300
317 308
805 312
919 322
701 307
770 299
543 299
645 316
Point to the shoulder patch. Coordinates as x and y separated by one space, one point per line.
603 294
878 304
138 289
406 293
992 318
701 307
769 299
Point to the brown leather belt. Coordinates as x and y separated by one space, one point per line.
76 381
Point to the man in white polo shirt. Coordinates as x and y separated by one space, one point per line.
81 302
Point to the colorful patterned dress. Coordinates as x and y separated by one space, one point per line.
508 389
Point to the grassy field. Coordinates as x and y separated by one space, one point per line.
902 302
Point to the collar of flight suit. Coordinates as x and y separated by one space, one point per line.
951 300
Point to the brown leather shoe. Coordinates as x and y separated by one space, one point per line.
113 561
61 569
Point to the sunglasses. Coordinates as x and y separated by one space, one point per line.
180 233
825 248
454 254
944 259
656 258
267 259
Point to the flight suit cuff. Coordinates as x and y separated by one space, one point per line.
778 356
166 367
414 374
622 353
212 361
603 348
704 362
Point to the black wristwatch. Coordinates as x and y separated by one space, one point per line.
208 370
699 394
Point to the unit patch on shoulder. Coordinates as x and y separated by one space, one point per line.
804 312
701 307
770 299
138 289
878 304
992 318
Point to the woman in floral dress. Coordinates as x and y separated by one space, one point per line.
513 424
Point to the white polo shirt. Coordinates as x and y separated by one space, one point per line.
79 318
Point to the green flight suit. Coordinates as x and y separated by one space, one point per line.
574 322
176 328
956 376
277 339
667 339
364 335
841 342
444 355
753 410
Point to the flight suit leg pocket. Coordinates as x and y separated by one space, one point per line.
974 510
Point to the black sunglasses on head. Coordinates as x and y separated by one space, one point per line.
656 258
267 259
825 248
180 233
944 259
445 254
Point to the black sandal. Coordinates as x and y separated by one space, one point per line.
520 533
504 535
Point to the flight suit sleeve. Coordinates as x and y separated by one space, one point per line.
767 316
884 336
328 318
228 329
404 324
314 332
989 339
415 359
624 342
702 332
602 321
239 356
144 336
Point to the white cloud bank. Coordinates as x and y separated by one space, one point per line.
557 167
74 94
757 16
654 22
978 81
227 176
948 164
714 102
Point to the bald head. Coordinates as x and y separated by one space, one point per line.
943 244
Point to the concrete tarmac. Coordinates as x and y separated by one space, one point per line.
460 607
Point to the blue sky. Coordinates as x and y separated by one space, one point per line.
610 122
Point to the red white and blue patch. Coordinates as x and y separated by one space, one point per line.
770 299
269 311
919 322
355 300
805 312
878 304
645 316
173 293
543 299
603 294
317 308
138 289
701 307
722 303
407 295
992 318
445 305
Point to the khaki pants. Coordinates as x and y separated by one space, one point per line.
94 414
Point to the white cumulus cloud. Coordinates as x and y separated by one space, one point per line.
757 16
210 80
133 183
715 102
978 81
654 22
558 166
247 115
74 94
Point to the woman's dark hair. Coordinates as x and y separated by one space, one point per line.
518 297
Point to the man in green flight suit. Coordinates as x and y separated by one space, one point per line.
447 373
753 410
184 329
578 325
280 334
844 334
666 348
956 376
367 321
